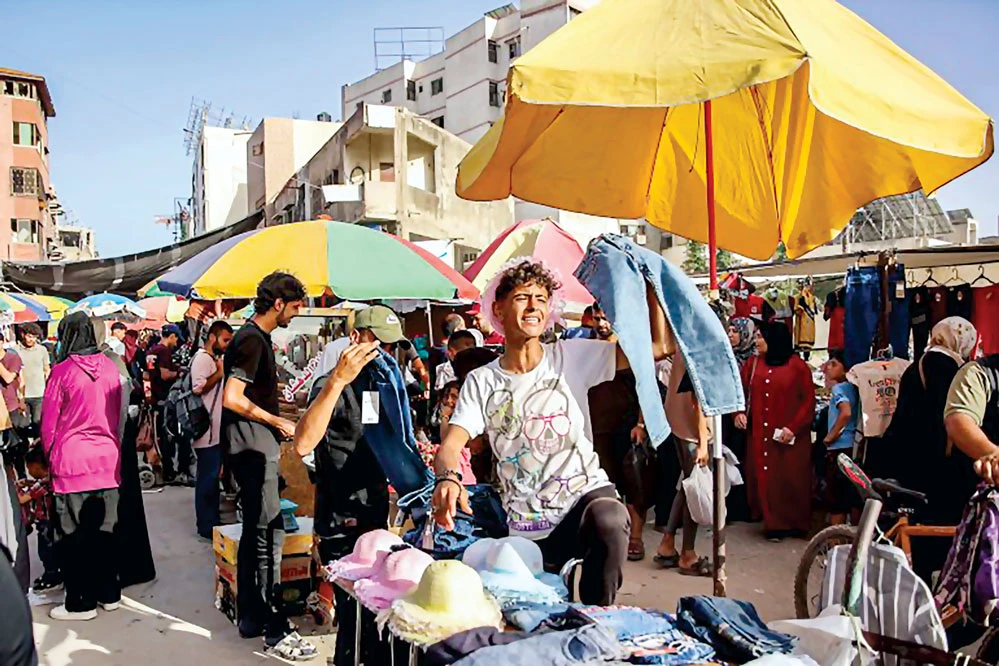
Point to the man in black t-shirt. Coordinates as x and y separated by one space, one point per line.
163 372
252 429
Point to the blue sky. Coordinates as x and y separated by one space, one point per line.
122 74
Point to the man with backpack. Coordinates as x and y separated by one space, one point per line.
207 373
163 372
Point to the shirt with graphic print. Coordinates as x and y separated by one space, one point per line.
538 425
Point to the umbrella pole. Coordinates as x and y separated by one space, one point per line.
718 533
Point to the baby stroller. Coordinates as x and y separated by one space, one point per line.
147 445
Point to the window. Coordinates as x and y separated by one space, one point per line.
19 89
514 45
24 231
493 51
494 96
336 177
386 96
439 121
25 181
437 86
8 87
258 149
411 91
386 172
26 134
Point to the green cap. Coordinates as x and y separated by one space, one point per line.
381 321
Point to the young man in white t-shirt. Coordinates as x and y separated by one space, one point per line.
206 381
532 404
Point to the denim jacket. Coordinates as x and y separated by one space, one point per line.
615 271
391 439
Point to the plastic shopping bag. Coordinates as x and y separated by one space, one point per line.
831 639
699 490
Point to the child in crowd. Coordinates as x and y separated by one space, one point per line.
36 501
844 409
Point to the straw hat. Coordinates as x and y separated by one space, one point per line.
448 600
369 551
399 573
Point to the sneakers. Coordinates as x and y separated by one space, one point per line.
60 613
113 606
50 580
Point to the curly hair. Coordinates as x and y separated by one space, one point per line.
524 273
278 286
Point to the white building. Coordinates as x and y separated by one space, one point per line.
462 88
219 180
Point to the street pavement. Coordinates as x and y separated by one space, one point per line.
173 620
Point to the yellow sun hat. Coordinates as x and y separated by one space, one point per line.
449 599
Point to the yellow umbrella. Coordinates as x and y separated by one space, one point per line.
812 113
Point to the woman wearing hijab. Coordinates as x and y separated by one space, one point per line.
914 447
780 400
81 415
134 554
742 335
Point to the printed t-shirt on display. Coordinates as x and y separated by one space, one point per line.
877 382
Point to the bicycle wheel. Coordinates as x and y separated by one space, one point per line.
812 568
988 651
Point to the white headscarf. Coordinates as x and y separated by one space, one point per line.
954 336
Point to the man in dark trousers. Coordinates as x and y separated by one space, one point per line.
253 429
163 372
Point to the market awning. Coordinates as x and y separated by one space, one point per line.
124 275
937 257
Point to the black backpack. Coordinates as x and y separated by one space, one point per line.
185 417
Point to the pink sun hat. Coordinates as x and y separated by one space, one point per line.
400 572
369 551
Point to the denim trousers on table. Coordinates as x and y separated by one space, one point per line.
258 561
617 272
863 307
86 546
206 489
592 644
733 627
649 636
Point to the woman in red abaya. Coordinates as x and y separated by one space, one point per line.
781 407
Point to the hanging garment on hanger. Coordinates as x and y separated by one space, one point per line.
835 314
863 308
938 305
877 382
986 316
959 301
751 306
780 308
805 309
919 319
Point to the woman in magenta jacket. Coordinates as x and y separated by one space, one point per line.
81 414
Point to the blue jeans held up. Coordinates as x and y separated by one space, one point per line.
588 645
206 489
391 439
733 627
616 272
488 520
863 308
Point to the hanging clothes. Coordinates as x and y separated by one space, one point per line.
752 305
878 383
919 319
805 309
835 313
863 308
959 301
938 305
985 310
780 306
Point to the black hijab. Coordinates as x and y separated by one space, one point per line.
780 346
76 336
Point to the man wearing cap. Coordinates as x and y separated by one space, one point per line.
351 488
163 372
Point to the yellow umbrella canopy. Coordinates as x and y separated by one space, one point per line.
815 113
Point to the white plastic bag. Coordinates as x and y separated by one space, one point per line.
831 639
699 490
733 476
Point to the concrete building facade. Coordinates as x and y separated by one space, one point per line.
276 150
389 168
26 225
219 182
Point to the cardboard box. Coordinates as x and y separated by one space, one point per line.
296 585
225 540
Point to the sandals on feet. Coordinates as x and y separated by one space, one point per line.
702 568
294 648
667 561
636 550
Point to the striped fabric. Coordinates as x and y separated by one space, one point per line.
897 603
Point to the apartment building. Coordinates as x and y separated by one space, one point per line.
25 221
218 181
275 151
388 168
